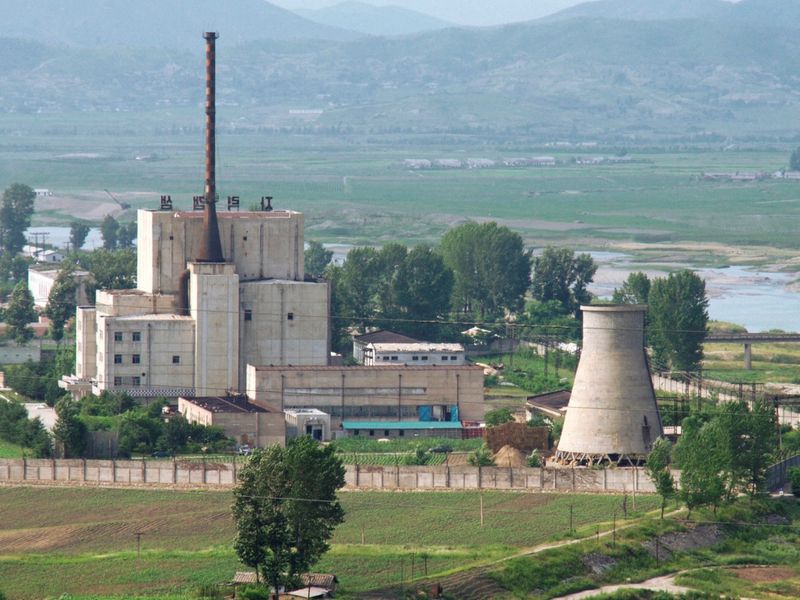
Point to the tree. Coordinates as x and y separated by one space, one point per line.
61 303
286 508
701 461
559 275
69 430
126 235
498 416
15 216
794 480
657 468
316 259
78 232
678 319
421 289
109 229
794 160
635 290
481 457
20 313
491 268
110 269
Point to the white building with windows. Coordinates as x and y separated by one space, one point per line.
194 324
416 354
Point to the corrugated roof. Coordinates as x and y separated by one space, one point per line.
402 425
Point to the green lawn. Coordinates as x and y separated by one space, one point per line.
81 541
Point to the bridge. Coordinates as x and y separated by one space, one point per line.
748 339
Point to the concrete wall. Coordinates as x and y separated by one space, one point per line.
258 429
262 245
283 323
372 393
170 473
86 342
12 353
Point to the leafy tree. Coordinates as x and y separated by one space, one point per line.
316 258
78 232
61 303
138 432
794 160
15 216
356 286
481 457
560 276
701 461
286 509
110 269
794 480
491 266
678 319
20 313
534 460
421 289
15 427
126 235
657 468
69 430
498 416
109 229
635 290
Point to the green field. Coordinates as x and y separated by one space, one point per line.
81 541
9 450
356 190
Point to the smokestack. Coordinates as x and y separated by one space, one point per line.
210 246
612 417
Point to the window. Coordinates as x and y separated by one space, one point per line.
176 360
290 316
248 314
117 380
394 358
453 358
444 358
385 433
385 358
137 358
136 336
117 336
356 432
372 432
415 358
118 359
136 381
424 358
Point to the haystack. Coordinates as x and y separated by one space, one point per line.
508 456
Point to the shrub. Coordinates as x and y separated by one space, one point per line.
794 480
534 460
253 592
499 416
482 457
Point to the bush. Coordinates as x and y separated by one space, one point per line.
419 457
534 460
253 592
482 457
499 416
794 479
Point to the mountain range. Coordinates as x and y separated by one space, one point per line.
374 20
705 68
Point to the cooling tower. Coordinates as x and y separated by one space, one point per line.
612 415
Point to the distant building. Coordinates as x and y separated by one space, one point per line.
42 255
308 421
41 281
414 353
245 422
382 336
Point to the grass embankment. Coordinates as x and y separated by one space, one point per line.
772 363
82 541
704 556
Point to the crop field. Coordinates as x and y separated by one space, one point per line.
357 190
83 541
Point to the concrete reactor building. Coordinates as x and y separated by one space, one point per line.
215 292
612 416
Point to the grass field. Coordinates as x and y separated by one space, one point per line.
82 541
772 363
9 450
356 189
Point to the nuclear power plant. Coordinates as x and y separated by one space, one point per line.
612 416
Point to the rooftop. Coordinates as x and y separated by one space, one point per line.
384 336
416 347
370 369
227 404
402 425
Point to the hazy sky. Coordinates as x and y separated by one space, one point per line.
464 12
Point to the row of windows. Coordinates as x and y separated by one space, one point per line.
444 358
400 432
137 358
248 315
134 381
136 336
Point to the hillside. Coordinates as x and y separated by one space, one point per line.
374 20
156 23
587 77
645 10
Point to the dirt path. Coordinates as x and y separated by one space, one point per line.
665 583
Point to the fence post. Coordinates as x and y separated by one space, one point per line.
113 471
24 468
144 471
480 477
53 473
83 471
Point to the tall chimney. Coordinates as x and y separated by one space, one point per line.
210 246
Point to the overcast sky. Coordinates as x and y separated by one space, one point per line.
463 12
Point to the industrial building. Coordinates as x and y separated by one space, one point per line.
245 422
612 416
416 353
